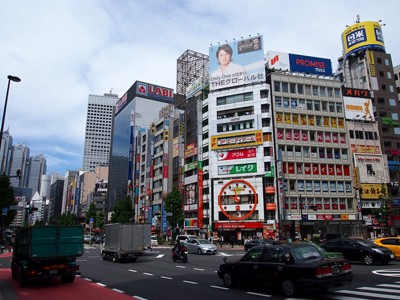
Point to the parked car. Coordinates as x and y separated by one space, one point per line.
200 246
86 238
153 241
256 242
357 249
324 237
291 266
184 237
393 243
326 253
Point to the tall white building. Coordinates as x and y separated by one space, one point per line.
98 131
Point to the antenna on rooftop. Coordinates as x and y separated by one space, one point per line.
358 19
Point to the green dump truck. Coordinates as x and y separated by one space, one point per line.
48 251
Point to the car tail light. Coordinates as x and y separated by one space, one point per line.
346 267
323 271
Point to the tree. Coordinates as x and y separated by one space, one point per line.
100 220
91 213
384 211
173 204
6 199
122 212
68 219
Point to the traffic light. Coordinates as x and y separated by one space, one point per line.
166 135
153 128
180 128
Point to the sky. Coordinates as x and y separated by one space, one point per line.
65 50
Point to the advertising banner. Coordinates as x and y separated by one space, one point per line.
358 104
237 63
371 168
237 154
362 36
299 63
243 139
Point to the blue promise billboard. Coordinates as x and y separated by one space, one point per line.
309 64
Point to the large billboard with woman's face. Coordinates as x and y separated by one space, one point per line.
237 63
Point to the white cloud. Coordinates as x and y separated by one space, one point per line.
65 50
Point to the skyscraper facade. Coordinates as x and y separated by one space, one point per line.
98 131
19 160
36 168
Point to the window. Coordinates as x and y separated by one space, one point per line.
392 102
339 108
331 107
344 154
395 116
322 91
337 93
293 88
264 94
315 90
231 99
317 105
300 88
324 106
277 86
330 92
318 120
309 104
391 88
389 75
308 89
306 151
386 62
285 87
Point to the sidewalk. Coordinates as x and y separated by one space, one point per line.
7 291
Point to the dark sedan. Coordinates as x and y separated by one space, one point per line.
291 266
357 249
256 242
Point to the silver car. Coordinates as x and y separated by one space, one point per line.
200 246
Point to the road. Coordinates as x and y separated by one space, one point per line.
155 276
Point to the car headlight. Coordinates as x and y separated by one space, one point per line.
377 250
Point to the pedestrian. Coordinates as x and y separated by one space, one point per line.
232 241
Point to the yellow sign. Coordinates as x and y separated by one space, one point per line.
371 191
362 36
242 139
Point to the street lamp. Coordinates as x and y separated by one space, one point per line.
10 78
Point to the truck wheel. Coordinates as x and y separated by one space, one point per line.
68 278
115 257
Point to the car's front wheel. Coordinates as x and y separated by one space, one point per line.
288 288
199 251
228 280
368 259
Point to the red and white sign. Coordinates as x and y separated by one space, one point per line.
237 154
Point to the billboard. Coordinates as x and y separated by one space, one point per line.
357 104
362 36
299 63
237 63
371 168
242 139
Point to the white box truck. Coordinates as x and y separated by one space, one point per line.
125 241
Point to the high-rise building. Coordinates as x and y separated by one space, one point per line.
5 152
134 111
98 131
19 160
56 196
366 66
36 168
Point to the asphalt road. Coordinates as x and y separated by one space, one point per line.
155 276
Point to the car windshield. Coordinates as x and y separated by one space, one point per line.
365 243
203 241
307 252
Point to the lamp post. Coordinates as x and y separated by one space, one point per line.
10 78
301 217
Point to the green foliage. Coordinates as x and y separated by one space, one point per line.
122 212
384 212
6 199
91 213
174 205
68 219
100 218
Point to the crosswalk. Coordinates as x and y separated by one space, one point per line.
380 291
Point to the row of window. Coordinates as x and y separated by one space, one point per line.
290 151
294 203
310 120
318 186
309 104
306 89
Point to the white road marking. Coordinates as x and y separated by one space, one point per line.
88 279
388 272
191 282
389 285
100 284
140 298
160 255
365 294
345 298
148 274
257 294
119 291
165 277
219 287
197 269
134 271
379 289
182 267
